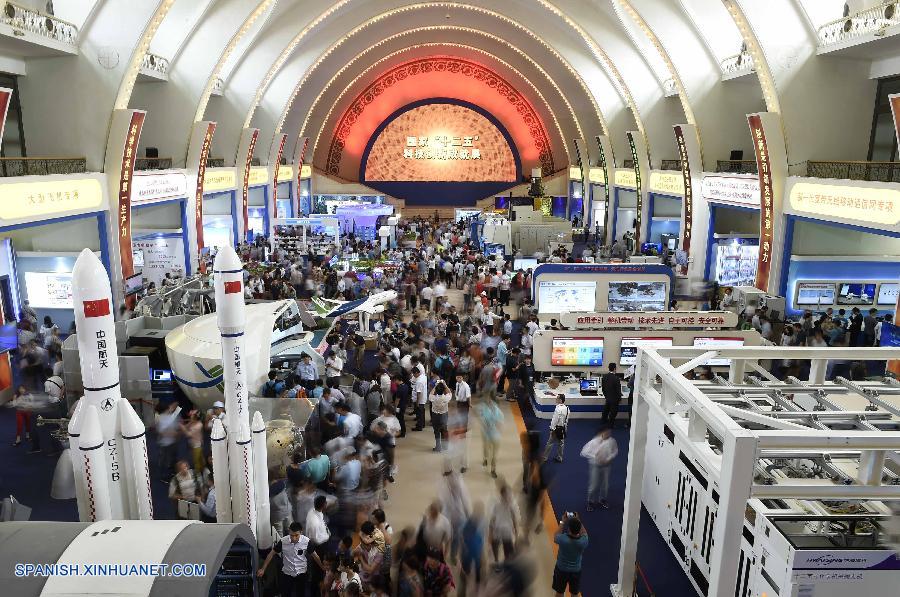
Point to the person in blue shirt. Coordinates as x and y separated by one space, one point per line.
572 540
273 387
307 373
502 352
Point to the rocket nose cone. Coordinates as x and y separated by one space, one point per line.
75 421
87 264
258 424
243 433
218 430
227 260
132 426
91 434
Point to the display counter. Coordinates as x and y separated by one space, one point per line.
581 406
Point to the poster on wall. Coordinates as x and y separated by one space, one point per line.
161 256
888 293
736 264
809 293
637 296
49 290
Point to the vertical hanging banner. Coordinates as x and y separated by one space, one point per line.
201 174
771 163
894 98
688 205
5 97
273 213
694 211
300 160
583 166
641 166
245 184
607 177
129 154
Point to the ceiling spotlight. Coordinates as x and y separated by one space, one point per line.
447 16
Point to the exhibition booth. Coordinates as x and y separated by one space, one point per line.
362 219
842 246
220 208
44 224
159 225
733 235
666 195
598 198
285 202
624 204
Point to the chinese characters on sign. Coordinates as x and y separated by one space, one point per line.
688 189
201 178
649 319
864 204
734 189
129 153
766 196
602 158
102 351
442 147
245 189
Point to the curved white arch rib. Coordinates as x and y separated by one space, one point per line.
279 62
426 45
126 87
766 81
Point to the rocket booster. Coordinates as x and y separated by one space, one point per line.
99 360
92 453
261 482
221 473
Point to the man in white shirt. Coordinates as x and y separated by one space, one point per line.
427 294
558 428
600 452
55 388
295 553
420 396
334 368
353 425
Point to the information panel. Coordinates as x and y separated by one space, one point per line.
718 343
577 352
568 296
629 348
815 293
637 296
856 294
887 293
48 290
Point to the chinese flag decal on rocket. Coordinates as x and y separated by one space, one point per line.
232 287
97 308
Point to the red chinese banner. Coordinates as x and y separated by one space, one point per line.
298 208
201 175
129 154
274 211
245 190
766 198
894 365
5 96
640 194
688 190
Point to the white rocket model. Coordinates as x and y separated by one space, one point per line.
109 450
242 495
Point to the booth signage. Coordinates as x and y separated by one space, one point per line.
245 186
129 153
637 186
274 209
285 173
604 167
687 187
219 180
153 186
863 204
574 172
732 189
597 175
766 201
666 183
305 171
201 181
29 199
626 178
259 175
649 319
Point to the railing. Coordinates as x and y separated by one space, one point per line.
739 63
155 63
254 162
872 171
871 20
152 163
628 164
41 166
26 19
669 87
670 165
215 162
218 86
736 166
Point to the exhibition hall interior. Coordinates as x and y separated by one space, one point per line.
419 298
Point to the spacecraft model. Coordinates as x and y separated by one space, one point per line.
109 448
240 475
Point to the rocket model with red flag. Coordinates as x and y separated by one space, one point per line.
112 478
247 484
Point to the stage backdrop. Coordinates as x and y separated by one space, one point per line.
440 151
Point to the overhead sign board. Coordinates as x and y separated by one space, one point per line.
667 183
597 175
731 189
305 171
872 205
574 173
259 175
146 187
626 178
649 319
285 173
29 199
219 179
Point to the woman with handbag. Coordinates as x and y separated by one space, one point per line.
558 426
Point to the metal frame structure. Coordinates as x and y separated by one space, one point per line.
735 427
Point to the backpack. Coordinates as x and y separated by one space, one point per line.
269 389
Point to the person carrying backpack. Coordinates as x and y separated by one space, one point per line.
272 388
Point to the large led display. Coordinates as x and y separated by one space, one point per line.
577 352
441 143
566 297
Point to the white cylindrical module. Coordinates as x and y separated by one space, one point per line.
92 300
93 450
243 494
221 474
81 499
228 278
137 464
261 482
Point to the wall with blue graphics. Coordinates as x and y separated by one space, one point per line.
840 271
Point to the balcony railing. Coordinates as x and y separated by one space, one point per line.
869 21
41 166
736 166
669 88
155 63
628 164
670 165
873 171
254 162
215 162
738 64
26 19
152 163
218 87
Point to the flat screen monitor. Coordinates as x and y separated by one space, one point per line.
49 290
856 294
629 348
887 293
577 352
718 343
637 296
649 248
134 284
815 294
525 264
589 386
566 296
162 375
501 203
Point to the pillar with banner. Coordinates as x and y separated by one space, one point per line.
274 165
606 163
694 217
302 191
197 155
767 134
244 162
121 153
641 159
